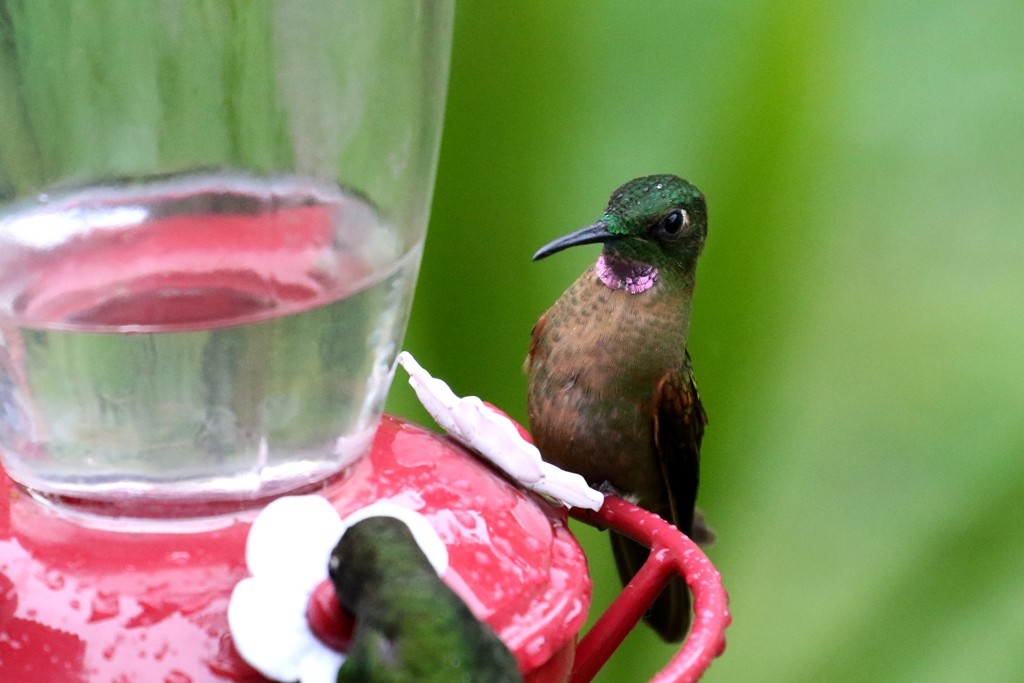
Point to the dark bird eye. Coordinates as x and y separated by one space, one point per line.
673 223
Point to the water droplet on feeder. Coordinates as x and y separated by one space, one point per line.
104 606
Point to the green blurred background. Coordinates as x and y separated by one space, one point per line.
859 315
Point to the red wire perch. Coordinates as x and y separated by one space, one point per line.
671 553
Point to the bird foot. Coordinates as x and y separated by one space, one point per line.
702 534
607 489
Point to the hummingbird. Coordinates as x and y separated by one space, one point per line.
409 625
611 390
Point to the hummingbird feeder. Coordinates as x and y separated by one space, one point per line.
83 601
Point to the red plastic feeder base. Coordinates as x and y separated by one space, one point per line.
104 599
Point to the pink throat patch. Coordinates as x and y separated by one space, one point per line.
632 276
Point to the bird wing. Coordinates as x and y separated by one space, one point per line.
678 428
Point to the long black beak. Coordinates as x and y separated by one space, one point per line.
598 232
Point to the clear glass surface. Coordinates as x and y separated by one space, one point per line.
211 218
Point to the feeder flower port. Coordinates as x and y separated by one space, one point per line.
487 432
287 554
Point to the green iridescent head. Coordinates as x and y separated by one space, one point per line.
657 219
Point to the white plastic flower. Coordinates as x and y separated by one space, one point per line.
496 438
287 553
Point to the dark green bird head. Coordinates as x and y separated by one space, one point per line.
660 220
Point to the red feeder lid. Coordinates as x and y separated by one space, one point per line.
83 601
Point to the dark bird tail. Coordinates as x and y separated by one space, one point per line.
670 614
